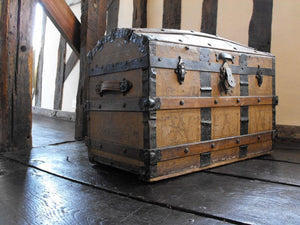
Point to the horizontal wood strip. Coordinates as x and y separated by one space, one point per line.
204 102
135 104
213 145
65 21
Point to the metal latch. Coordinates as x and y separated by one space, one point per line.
180 70
227 79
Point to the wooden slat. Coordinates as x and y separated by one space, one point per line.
139 13
39 73
65 21
172 14
93 19
260 28
71 63
59 83
112 14
209 16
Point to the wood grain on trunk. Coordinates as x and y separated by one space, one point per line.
65 21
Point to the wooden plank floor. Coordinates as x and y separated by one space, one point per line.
54 183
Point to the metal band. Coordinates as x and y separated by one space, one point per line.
133 64
244 120
205 124
205 88
243 151
170 63
205 159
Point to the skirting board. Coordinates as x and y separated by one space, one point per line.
286 132
70 116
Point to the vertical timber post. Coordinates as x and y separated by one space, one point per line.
172 14
209 16
16 68
93 27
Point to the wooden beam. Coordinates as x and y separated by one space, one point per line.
260 28
40 65
112 14
59 83
72 61
65 21
139 14
93 20
16 58
172 14
209 16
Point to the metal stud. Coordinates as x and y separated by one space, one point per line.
181 102
216 101
213 145
258 100
238 100
238 141
186 150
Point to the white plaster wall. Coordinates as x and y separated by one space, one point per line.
125 14
50 63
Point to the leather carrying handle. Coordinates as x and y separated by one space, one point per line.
114 87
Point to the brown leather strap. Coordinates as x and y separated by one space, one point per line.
114 86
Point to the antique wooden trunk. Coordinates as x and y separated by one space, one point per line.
163 103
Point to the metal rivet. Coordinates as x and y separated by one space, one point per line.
258 100
186 150
234 48
100 146
238 141
181 102
187 47
216 101
209 44
213 145
124 105
258 137
238 100
162 29
100 106
180 40
159 59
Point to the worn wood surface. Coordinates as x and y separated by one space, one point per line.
139 19
260 118
209 16
30 196
40 65
16 74
93 20
246 197
172 14
65 21
124 128
260 28
176 127
60 73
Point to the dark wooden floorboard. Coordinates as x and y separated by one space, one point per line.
258 199
30 196
47 131
281 172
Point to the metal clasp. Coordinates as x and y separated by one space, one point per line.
227 79
180 70
259 76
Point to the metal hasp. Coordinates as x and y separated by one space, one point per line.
113 86
227 80
180 70
259 76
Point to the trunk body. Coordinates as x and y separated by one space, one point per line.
163 103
